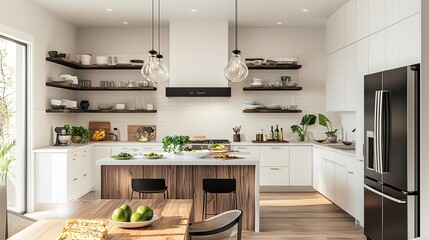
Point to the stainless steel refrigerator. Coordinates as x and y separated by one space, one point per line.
391 194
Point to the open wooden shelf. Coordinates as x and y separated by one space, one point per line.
275 66
78 88
271 111
72 64
272 89
270 141
98 111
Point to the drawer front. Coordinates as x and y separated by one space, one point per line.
253 150
341 159
274 176
274 156
351 163
327 154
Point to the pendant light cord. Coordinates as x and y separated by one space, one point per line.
153 33
236 24
159 27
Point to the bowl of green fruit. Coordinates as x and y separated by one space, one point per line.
122 156
153 155
123 217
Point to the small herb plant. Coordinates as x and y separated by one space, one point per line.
324 121
175 144
307 120
69 129
81 132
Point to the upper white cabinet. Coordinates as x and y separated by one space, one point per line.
351 22
351 76
392 12
331 36
392 46
331 76
408 8
301 165
341 27
377 52
410 40
362 70
362 18
377 15
340 82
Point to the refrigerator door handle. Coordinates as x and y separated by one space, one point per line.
377 129
384 119
384 195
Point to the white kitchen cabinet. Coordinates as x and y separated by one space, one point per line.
392 46
377 15
254 150
330 180
61 176
362 70
351 22
274 156
99 153
340 186
316 168
274 176
300 165
408 8
351 76
392 12
410 40
331 78
377 52
331 34
359 200
362 18
350 205
341 27
323 178
340 81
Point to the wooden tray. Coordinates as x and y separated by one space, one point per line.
132 132
93 126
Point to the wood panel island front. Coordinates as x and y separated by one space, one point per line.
184 178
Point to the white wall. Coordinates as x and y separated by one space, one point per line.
48 32
424 164
213 117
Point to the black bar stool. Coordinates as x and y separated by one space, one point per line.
148 186
217 186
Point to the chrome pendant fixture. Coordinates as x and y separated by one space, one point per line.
151 70
163 70
236 70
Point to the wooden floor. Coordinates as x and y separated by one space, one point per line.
303 216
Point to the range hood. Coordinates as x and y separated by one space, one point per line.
198 56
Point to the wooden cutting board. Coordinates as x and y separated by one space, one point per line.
132 132
93 126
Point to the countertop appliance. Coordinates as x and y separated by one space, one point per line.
205 143
391 194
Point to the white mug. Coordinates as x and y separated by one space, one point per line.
120 106
149 107
85 59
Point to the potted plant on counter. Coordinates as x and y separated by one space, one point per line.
175 144
6 158
307 120
331 133
80 135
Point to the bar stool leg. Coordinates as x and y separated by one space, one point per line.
235 198
203 216
215 203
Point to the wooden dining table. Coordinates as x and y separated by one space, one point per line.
174 217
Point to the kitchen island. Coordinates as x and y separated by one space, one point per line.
184 178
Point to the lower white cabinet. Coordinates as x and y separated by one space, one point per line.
316 168
274 176
300 159
61 176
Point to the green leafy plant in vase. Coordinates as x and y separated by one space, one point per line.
331 133
307 120
175 144
80 134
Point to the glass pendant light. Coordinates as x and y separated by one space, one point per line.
150 69
236 70
164 75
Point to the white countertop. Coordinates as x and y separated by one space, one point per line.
170 159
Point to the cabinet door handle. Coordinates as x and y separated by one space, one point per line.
274 168
350 172
241 147
74 179
274 148
83 156
84 175
73 159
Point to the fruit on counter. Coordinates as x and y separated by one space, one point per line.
119 215
136 217
218 147
128 210
146 212
122 155
98 135
153 155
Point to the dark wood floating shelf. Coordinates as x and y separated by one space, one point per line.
271 111
275 66
269 141
98 111
75 87
69 63
272 89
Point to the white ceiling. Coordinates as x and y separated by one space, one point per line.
252 13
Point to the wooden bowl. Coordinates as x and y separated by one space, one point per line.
347 142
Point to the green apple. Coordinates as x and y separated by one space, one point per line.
136 217
127 210
146 212
119 215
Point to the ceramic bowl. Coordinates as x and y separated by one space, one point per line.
53 53
105 107
196 153
134 224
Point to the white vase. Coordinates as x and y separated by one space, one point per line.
3 208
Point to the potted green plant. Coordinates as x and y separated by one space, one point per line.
331 133
307 120
175 144
80 134
6 158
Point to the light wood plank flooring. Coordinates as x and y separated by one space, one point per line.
303 216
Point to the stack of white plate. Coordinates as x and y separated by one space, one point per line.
69 103
255 105
273 106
